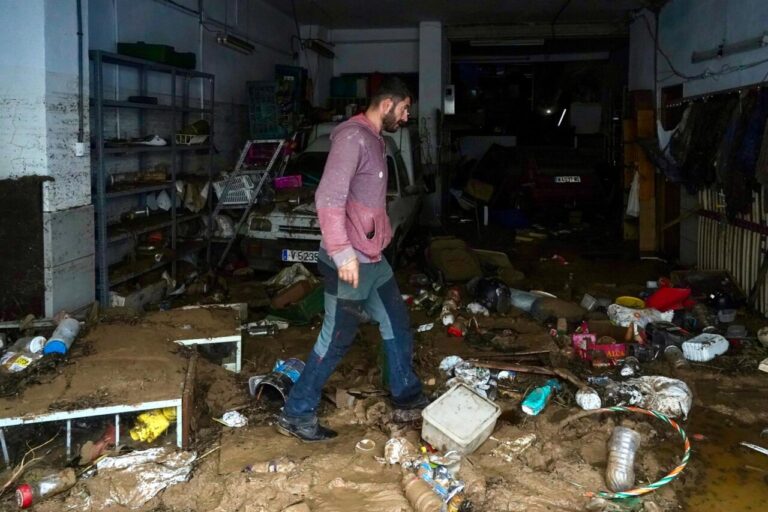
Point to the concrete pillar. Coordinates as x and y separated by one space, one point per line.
432 73
38 131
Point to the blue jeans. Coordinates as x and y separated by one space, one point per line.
378 294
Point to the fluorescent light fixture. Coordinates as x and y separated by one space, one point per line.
561 117
320 47
507 42
235 43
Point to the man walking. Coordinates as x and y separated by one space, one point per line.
351 206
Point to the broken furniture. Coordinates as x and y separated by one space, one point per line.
234 362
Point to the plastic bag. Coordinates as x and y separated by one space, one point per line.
624 316
633 201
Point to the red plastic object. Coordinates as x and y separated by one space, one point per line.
665 299
585 344
456 331
24 496
290 181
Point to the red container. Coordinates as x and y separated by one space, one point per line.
585 344
291 181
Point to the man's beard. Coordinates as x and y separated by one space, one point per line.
390 122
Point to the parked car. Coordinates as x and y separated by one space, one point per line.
560 176
291 233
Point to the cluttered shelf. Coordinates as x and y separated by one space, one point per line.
114 58
132 227
155 149
153 106
137 188
123 272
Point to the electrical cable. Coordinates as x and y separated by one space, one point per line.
639 491
724 70
310 73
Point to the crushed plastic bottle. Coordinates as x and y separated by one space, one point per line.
620 472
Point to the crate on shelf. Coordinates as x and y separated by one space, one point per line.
239 190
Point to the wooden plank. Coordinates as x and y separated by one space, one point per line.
188 401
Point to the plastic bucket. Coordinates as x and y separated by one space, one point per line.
522 300
277 385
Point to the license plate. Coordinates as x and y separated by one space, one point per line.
567 179
300 256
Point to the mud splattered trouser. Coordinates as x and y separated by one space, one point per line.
377 293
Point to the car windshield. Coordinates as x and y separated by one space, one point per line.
310 166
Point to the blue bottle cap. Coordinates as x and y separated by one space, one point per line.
55 347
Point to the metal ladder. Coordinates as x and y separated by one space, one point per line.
240 170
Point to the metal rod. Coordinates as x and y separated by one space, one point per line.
69 439
117 430
80 111
6 458
87 413
755 447
179 430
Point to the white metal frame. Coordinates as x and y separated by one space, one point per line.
90 412
237 339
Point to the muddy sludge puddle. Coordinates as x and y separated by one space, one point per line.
725 482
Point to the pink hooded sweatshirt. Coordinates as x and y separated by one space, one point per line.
351 198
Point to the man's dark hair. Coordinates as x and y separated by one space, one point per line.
391 87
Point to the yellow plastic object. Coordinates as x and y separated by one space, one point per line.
631 302
150 425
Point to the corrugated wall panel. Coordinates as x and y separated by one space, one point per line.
723 246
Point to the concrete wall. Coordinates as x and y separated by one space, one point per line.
319 68
149 20
432 76
388 50
38 131
687 26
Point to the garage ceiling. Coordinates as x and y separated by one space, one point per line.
408 13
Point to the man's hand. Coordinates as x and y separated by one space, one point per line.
349 272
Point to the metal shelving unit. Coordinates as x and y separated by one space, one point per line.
179 110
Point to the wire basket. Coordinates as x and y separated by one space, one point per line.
241 190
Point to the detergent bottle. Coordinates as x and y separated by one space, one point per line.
538 399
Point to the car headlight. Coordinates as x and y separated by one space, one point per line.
260 224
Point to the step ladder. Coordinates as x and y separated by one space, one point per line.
242 188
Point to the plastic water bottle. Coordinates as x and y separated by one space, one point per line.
538 399
63 337
674 356
620 472
28 494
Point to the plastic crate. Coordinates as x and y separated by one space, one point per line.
241 190
459 420
305 310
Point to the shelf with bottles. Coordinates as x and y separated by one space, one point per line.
143 221
150 259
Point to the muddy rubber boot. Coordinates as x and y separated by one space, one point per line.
313 433
417 404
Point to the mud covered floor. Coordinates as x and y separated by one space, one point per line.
120 361
256 469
